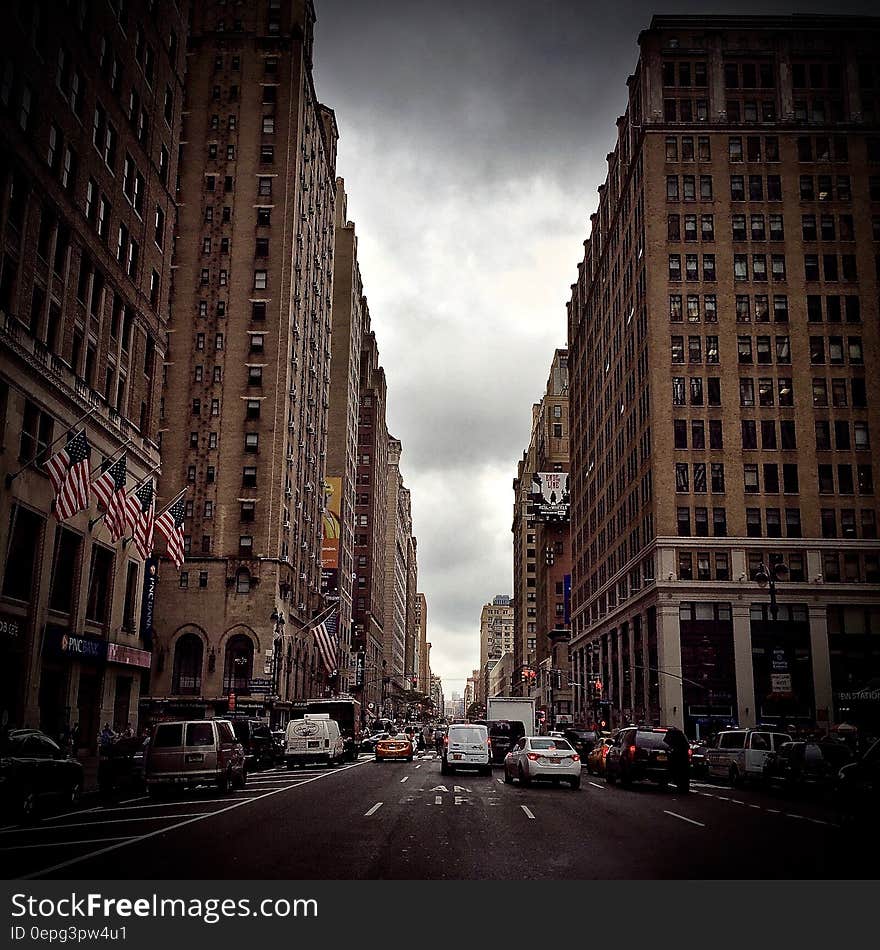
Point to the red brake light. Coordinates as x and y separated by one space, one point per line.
532 756
575 758
445 740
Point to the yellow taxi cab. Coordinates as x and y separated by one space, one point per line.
395 747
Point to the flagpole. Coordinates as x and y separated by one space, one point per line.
177 497
11 476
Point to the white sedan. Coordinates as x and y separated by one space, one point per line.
536 758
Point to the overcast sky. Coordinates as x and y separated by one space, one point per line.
473 136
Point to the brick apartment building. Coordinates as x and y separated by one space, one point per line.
724 313
90 100
248 368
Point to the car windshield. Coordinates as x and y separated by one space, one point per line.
558 745
473 736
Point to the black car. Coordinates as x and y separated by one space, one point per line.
660 754
369 744
121 766
583 740
503 735
857 790
798 764
34 771
256 738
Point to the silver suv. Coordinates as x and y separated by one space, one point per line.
194 752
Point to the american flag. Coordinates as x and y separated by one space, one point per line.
69 471
170 525
140 509
109 487
327 641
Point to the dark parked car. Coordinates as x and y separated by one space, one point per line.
35 771
583 740
369 744
660 754
121 766
256 740
279 745
699 758
857 790
503 734
796 764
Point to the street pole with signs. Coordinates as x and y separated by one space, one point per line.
781 686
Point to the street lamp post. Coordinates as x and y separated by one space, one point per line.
768 577
277 643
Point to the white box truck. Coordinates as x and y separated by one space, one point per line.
514 708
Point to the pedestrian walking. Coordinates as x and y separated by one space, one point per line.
106 736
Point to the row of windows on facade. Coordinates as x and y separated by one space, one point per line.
754 227
846 483
761 73
757 307
768 188
760 350
695 522
847 435
858 567
20 576
758 148
817 110
691 391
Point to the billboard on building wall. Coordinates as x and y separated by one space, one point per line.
331 536
550 497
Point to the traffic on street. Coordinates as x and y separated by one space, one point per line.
411 813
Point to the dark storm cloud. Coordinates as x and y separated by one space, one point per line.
473 138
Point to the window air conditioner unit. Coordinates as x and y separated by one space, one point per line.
301 605
287 492
290 457
291 424
309 486
299 505
292 394
286 524
302 577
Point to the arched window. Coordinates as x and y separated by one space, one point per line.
239 666
187 676
243 581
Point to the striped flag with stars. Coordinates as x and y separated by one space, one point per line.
170 525
140 509
109 487
69 471
327 641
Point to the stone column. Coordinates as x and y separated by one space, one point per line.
669 662
742 659
821 657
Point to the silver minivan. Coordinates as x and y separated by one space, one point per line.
738 754
466 746
194 752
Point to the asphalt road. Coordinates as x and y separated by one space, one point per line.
398 820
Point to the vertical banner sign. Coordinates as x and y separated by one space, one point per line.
780 674
332 531
148 600
359 670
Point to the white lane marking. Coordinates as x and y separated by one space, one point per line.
160 831
59 844
528 813
404 779
755 806
682 817
109 821
438 799
418 766
140 798
373 810
596 786
773 811
722 798
736 801
67 814
788 814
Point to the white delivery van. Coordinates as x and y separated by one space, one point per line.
314 738
466 746
738 754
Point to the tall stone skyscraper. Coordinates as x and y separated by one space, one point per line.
248 365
